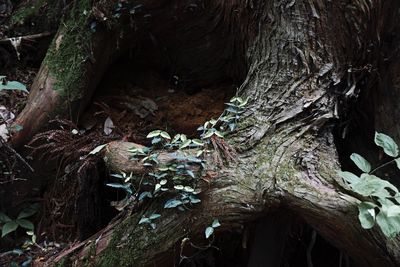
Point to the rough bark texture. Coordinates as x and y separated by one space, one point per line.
299 55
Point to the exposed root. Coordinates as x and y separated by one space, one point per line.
67 143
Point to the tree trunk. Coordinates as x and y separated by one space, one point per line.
299 55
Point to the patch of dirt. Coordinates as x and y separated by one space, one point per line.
140 103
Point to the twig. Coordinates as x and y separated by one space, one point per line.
27 37
3 143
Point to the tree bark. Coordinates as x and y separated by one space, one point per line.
299 55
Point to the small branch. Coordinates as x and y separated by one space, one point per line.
383 165
3 143
27 37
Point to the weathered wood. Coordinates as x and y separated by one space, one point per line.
298 85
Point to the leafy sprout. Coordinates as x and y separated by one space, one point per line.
381 199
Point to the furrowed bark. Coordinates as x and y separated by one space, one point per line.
297 85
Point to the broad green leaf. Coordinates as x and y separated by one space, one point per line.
13 85
154 134
185 144
165 135
387 143
349 177
163 182
393 211
372 185
29 211
8 228
176 138
215 223
188 189
361 162
198 142
183 137
209 134
244 102
190 173
390 226
97 149
209 231
4 218
25 224
172 203
194 200
157 187
178 187
366 214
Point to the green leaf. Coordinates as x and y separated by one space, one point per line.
157 187
390 226
370 185
172 203
366 214
219 134
165 135
178 187
198 142
185 144
154 134
361 162
209 134
144 220
190 173
349 177
154 216
28 212
8 228
199 153
97 149
215 223
13 85
4 218
393 211
25 224
183 137
188 189
176 138
145 194
387 143
209 231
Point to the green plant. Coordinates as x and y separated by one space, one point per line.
9 225
210 229
178 180
150 220
11 85
380 199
